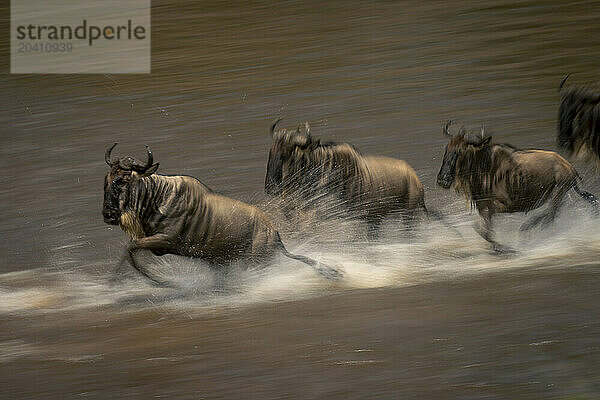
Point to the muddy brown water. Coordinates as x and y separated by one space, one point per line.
427 315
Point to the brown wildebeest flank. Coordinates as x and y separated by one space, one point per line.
302 169
180 215
499 178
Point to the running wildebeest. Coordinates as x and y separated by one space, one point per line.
499 178
180 215
301 169
579 122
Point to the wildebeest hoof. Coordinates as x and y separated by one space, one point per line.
525 227
501 249
479 229
330 273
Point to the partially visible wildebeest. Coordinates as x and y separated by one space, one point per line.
302 168
499 178
180 215
579 122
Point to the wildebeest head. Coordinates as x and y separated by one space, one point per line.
285 143
458 145
116 183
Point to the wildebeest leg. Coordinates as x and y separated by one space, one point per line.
548 217
221 273
118 272
557 202
438 216
484 228
409 219
373 227
156 243
533 221
289 212
487 232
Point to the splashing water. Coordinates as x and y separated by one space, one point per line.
430 253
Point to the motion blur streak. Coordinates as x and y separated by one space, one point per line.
424 315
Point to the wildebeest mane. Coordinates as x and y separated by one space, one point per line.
579 121
479 170
204 185
473 177
155 194
321 169
329 143
325 163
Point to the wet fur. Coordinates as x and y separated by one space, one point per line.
180 215
499 178
494 171
366 187
579 124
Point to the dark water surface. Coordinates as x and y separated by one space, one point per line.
425 316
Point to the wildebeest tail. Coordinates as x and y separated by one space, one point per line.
590 198
324 270
438 216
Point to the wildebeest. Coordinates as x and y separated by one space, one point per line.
180 215
302 168
499 178
579 122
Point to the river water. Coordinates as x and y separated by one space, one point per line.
424 315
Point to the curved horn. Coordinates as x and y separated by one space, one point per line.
307 127
563 82
107 155
450 121
273 125
138 166
150 158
